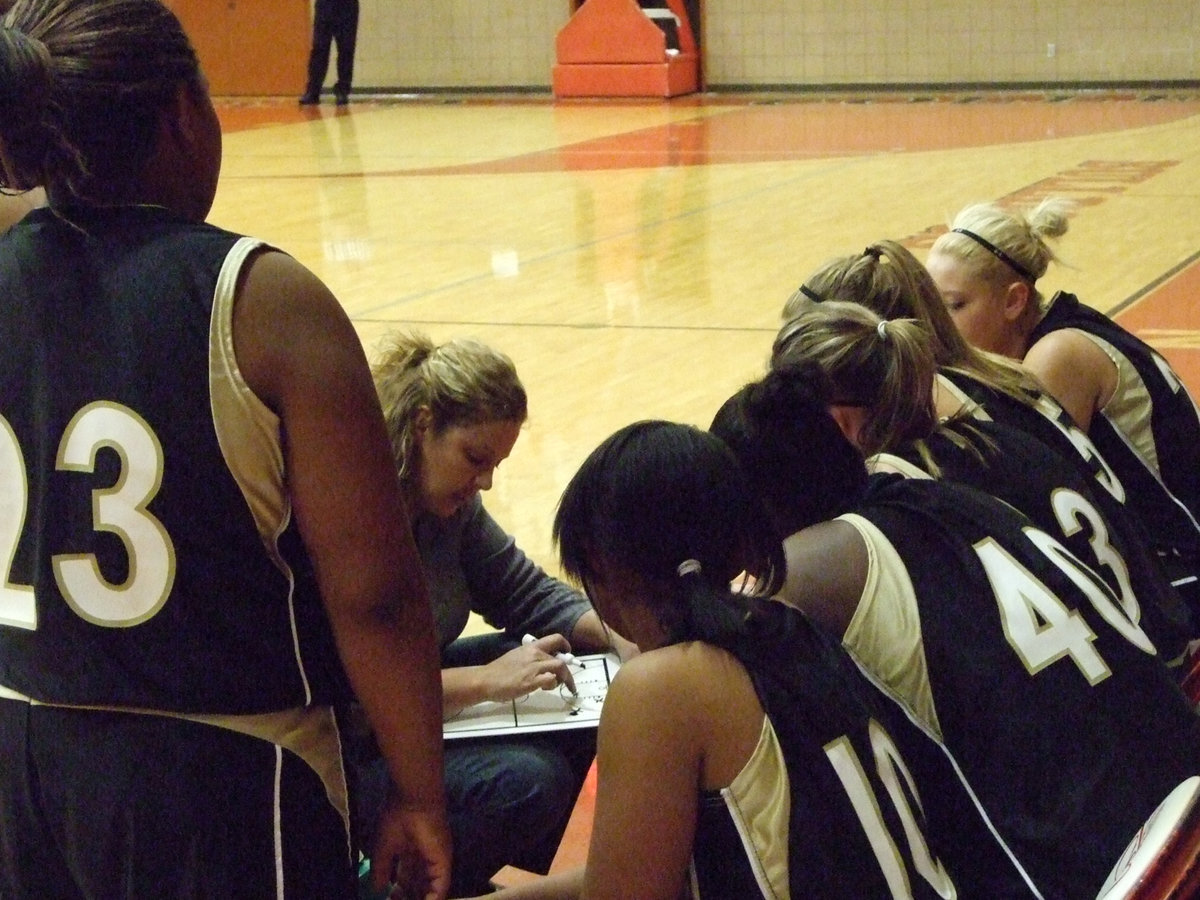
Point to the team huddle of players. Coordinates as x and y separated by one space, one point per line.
969 513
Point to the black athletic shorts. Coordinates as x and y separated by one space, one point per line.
127 805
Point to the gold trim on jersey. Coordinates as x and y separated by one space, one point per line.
1130 406
888 462
759 801
311 733
249 432
885 631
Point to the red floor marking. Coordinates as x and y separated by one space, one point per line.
744 130
1168 318
787 131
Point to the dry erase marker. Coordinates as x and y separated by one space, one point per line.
568 658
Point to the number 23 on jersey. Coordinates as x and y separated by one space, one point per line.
120 509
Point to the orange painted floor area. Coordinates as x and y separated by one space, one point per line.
572 852
1167 316
780 130
733 129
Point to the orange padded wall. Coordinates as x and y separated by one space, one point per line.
249 47
610 48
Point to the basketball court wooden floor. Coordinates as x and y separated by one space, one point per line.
633 256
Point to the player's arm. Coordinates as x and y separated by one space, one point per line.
14 207
826 572
650 756
300 354
1075 371
567 885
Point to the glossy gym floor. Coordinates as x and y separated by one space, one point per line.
633 256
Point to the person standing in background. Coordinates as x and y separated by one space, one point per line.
334 21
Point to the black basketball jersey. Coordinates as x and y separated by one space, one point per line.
1060 498
857 825
1163 477
1167 526
1043 417
1064 720
151 557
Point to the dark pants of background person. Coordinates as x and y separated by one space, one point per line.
509 800
334 21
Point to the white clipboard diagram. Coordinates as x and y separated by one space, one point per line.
552 710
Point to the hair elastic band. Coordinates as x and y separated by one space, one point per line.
998 253
811 294
688 567
874 252
881 329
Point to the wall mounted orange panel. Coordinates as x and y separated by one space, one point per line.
611 48
249 47
669 79
610 31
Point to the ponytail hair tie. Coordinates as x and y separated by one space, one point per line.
688 567
811 294
881 329
874 252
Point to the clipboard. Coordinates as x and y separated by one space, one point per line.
554 710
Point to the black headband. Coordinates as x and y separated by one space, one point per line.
998 253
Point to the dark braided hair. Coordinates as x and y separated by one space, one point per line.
798 460
657 494
82 86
